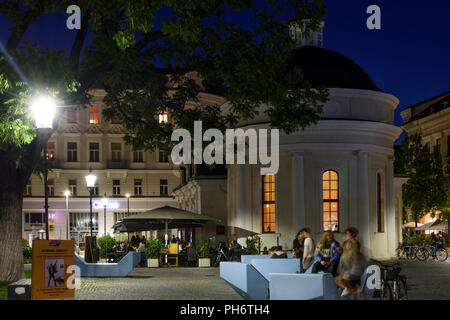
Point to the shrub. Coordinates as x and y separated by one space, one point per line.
102 244
154 246
253 244
27 251
203 248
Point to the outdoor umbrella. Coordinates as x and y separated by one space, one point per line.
162 218
430 225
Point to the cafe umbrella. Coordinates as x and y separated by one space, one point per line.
162 218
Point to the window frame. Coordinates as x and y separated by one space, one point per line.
265 203
330 200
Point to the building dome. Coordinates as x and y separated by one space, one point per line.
328 68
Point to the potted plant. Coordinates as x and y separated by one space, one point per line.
253 244
204 253
154 246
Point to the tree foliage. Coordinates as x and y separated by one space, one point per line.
425 190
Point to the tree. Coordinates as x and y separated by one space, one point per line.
141 53
424 192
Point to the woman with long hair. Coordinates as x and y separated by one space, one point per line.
327 254
351 268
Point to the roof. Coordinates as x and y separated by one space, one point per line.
425 108
322 67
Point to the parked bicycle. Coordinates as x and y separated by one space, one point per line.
435 252
393 284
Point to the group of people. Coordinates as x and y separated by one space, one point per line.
344 261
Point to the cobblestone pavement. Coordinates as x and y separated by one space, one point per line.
426 280
159 284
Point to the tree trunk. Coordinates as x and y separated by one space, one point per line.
11 255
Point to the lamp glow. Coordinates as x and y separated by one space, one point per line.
67 193
127 195
105 201
43 108
90 180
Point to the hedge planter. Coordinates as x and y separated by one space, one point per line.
204 262
448 249
153 263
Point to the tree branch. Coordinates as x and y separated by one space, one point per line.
77 46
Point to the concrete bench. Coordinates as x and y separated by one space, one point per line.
20 290
285 286
267 266
308 286
247 258
245 280
99 270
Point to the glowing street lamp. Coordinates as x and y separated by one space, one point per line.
44 108
90 182
67 194
105 203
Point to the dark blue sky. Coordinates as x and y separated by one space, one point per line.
409 57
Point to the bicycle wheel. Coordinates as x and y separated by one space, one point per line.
386 292
412 253
441 255
402 293
422 254
399 252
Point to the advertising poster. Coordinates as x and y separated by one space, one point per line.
51 258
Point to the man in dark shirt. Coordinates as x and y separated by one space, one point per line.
298 246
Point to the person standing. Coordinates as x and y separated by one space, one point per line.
297 245
308 249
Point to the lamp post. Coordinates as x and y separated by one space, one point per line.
105 205
128 207
43 108
67 194
90 182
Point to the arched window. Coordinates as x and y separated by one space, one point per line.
380 202
268 203
330 196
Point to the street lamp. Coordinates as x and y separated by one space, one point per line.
128 209
43 108
67 194
105 203
90 182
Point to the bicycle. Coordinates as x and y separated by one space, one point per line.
393 284
437 252
221 256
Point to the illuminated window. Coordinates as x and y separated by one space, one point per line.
268 203
50 150
330 194
93 115
380 202
163 117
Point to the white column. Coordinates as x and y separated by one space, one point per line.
363 201
240 196
298 192
390 206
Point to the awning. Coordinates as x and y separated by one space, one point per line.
162 218
440 226
430 225
412 224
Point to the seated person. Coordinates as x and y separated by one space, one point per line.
143 252
327 256
192 255
351 267
121 247
277 253
235 248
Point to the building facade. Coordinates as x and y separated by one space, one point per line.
332 175
430 118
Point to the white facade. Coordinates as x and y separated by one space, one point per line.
354 139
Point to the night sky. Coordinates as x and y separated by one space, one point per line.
408 57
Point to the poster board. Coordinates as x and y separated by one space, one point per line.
49 277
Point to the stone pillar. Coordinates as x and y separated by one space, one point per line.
297 191
390 206
363 201
240 196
